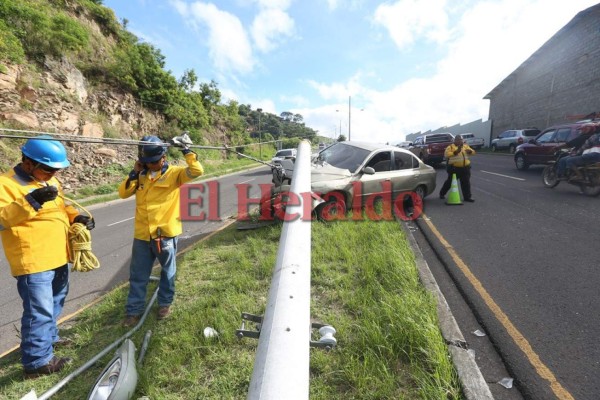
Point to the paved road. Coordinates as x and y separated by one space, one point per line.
111 242
527 262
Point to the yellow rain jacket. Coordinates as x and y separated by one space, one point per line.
461 159
157 199
34 238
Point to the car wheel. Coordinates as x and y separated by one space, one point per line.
494 149
520 162
592 191
332 209
512 148
549 177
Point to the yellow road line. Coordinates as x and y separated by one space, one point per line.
520 340
96 301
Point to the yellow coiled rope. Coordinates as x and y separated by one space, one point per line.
80 249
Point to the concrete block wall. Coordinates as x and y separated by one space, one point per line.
559 81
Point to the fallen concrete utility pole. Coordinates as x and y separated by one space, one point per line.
281 367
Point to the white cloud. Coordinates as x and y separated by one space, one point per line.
490 40
408 20
332 4
270 27
229 46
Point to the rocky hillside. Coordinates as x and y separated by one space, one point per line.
58 99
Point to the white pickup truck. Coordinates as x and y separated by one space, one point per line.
473 141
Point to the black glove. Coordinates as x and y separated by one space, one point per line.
44 194
85 220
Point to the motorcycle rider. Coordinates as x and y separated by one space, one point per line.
589 153
576 144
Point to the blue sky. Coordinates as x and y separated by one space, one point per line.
407 65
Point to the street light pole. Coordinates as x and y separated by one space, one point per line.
259 135
349 116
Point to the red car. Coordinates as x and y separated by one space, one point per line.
541 149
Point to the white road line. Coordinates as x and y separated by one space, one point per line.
118 222
249 180
504 176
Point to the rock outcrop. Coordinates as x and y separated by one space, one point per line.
59 100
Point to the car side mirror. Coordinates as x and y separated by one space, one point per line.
531 141
368 170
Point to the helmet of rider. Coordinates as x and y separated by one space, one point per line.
152 150
45 151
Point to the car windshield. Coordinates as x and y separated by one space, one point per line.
344 156
283 153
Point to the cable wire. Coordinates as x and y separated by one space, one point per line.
80 240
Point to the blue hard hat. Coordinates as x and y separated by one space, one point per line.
45 151
148 153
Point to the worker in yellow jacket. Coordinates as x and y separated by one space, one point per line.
457 162
155 184
34 224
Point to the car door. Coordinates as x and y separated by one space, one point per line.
560 137
415 148
376 183
405 172
537 153
502 140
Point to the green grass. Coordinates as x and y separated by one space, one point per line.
364 283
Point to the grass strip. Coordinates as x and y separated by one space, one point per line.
364 283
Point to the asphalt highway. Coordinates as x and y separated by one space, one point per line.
524 259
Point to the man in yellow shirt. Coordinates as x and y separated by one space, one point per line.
155 184
457 156
34 224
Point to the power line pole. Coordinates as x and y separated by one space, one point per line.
349 115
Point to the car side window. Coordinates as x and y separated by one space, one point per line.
562 135
381 161
546 137
403 161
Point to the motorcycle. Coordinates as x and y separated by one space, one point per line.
588 179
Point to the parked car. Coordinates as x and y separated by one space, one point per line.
322 146
430 147
283 154
540 150
343 163
510 139
473 141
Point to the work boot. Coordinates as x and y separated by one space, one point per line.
130 321
55 365
163 312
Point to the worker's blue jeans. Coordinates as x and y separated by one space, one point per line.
143 255
43 296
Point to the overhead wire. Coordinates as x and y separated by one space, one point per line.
27 134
